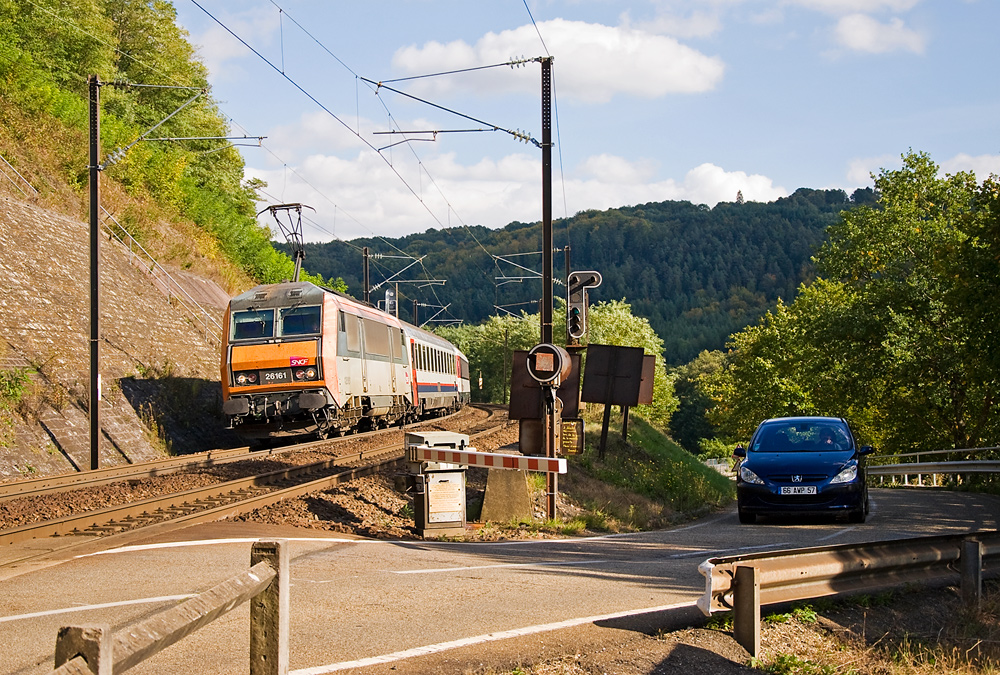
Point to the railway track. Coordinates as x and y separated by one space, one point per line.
154 515
75 481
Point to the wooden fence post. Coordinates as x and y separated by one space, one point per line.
746 608
269 610
971 562
93 643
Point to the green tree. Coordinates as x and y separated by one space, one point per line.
689 425
891 336
613 323
490 347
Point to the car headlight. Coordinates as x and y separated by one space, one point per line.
748 476
846 475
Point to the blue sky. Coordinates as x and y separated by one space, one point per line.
671 99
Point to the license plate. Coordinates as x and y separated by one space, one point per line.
276 376
798 490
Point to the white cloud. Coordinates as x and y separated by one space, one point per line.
362 196
854 6
699 24
218 49
860 170
711 184
861 32
594 62
981 165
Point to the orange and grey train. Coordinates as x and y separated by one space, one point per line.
299 359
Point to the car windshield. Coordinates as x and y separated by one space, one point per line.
802 437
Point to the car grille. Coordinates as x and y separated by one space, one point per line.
806 479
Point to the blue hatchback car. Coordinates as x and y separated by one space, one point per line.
802 465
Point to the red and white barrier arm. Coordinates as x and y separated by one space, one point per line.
487 460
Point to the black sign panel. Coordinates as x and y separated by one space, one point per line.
614 375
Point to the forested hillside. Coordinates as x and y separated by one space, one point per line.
186 201
697 274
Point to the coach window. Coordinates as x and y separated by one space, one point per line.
348 337
300 321
253 323
376 338
398 342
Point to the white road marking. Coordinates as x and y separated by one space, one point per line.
239 540
490 567
84 608
839 532
697 554
479 639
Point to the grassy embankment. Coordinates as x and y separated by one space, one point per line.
646 483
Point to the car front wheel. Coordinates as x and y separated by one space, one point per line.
747 518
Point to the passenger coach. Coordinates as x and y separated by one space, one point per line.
301 359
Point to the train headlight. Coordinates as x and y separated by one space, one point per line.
305 373
246 378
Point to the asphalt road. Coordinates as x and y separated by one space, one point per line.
357 603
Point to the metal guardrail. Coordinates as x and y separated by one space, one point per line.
920 453
745 582
94 650
211 328
918 468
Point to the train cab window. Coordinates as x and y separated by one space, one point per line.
300 321
253 323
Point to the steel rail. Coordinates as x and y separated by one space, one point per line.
74 481
803 574
159 467
239 496
124 515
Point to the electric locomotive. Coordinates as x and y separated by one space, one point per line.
301 359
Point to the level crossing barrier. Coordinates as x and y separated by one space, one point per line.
743 583
95 650
486 460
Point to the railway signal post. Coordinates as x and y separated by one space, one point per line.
549 365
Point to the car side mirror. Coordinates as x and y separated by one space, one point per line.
740 451
866 450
